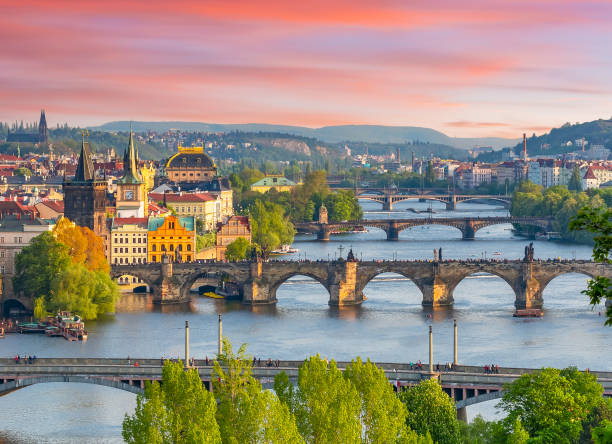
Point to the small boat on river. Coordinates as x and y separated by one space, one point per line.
70 326
529 313
284 249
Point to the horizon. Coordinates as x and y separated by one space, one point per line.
487 69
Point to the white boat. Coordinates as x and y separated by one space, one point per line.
285 249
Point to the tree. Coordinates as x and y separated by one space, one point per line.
206 240
85 247
551 404
326 405
181 410
22 171
270 226
432 411
383 415
430 174
575 183
598 221
245 413
603 433
237 250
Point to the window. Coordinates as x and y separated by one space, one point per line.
133 250
171 247
153 258
179 247
188 258
115 251
189 247
154 247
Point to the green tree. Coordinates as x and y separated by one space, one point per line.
178 411
206 240
575 183
598 221
551 404
245 413
326 405
270 226
430 174
383 415
22 171
603 433
237 250
432 411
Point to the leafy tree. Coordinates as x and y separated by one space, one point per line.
575 183
326 405
37 264
205 240
270 227
181 410
432 411
237 250
551 404
22 171
430 174
85 246
603 433
598 221
247 414
383 415
599 415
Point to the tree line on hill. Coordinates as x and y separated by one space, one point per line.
358 405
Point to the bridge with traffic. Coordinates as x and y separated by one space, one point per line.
392 227
467 385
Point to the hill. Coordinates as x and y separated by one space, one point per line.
596 132
328 134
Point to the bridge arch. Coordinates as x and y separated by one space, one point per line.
117 272
510 277
410 285
214 276
432 221
17 384
15 304
323 280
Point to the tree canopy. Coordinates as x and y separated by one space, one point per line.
237 250
66 270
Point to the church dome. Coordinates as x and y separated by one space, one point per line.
190 157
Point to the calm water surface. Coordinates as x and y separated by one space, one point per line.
390 326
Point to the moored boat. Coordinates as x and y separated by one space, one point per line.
528 313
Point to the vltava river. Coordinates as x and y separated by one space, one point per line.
390 326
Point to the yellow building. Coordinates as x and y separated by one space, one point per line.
172 235
203 206
278 183
129 240
190 164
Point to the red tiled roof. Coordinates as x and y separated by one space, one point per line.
185 197
589 174
55 205
130 220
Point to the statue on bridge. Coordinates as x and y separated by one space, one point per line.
528 253
350 257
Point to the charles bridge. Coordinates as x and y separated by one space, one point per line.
258 281
467 385
467 225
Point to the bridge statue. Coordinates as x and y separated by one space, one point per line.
528 253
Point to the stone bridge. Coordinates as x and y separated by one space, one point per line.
392 227
387 199
467 385
345 281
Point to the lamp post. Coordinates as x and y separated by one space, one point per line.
186 344
455 344
220 344
430 349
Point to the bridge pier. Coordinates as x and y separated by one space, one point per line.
343 287
451 205
388 204
529 294
323 233
169 291
468 232
392 232
436 292
462 414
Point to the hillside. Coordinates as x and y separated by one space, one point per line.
328 134
597 132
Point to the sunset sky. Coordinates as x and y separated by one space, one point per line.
469 68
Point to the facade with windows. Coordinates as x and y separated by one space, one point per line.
129 237
235 227
190 164
173 236
202 206
16 232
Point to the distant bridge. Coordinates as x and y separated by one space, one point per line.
467 225
387 197
467 385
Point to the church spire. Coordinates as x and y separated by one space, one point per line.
85 168
130 162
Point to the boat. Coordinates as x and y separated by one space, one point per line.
357 229
285 249
528 313
31 327
213 295
497 253
70 326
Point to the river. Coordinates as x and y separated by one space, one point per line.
390 326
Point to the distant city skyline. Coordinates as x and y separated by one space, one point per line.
486 68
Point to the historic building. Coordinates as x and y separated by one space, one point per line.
204 206
129 237
131 198
190 164
236 226
38 135
173 236
85 197
16 232
278 183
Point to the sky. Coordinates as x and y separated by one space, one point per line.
466 68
